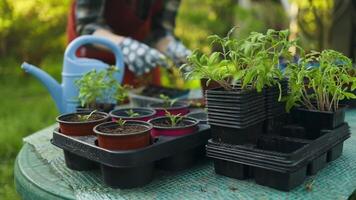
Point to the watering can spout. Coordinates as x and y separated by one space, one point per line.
50 83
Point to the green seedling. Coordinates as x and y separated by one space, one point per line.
309 185
86 117
167 102
100 86
320 88
121 122
132 113
174 119
251 62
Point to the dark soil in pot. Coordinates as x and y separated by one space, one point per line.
163 126
102 107
72 124
140 114
175 109
132 135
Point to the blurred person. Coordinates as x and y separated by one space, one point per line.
142 29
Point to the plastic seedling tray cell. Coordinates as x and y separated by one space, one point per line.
78 163
274 125
236 136
335 152
232 170
133 168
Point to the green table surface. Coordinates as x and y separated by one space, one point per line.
35 181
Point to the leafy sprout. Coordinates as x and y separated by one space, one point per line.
86 117
167 101
252 62
174 119
121 122
132 113
320 88
100 86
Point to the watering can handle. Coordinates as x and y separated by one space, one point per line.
89 39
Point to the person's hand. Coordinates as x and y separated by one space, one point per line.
139 57
176 51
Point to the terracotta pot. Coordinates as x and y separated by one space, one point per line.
173 131
79 128
145 114
129 141
177 108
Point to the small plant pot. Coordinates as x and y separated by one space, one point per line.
144 114
70 124
161 126
175 109
133 135
230 135
102 107
202 117
314 121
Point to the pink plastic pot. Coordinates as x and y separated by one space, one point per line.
191 127
177 108
145 114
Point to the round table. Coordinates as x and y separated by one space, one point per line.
35 181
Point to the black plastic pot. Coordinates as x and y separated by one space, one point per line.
201 116
229 135
133 168
314 121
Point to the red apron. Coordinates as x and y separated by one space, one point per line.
121 18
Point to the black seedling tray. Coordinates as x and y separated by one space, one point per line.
237 92
242 105
232 135
133 168
265 162
234 120
237 114
235 124
327 138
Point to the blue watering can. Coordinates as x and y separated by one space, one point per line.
66 94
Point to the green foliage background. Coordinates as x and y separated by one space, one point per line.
34 31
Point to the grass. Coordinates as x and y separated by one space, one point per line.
25 108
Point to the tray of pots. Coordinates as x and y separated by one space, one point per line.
274 126
130 146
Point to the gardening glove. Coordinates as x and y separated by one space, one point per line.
177 52
139 57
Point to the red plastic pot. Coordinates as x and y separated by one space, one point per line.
129 141
145 114
72 128
175 109
158 130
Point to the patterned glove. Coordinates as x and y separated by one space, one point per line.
177 51
139 57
